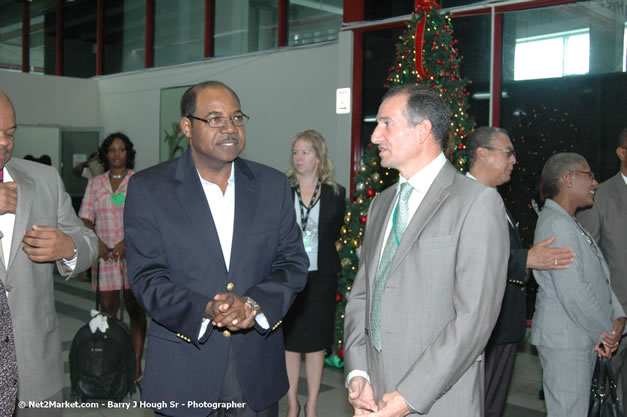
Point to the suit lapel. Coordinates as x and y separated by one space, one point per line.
377 230
193 203
513 231
620 189
437 193
25 197
246 201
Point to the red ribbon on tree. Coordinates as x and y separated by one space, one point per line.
425 6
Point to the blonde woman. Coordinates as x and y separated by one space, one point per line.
320 204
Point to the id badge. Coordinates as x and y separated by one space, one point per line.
307 243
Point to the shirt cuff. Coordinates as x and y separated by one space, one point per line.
203 328
262 321
356 372
70 263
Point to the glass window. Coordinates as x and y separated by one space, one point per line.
11 37
179 31
79 38
125 43
553 55
244 26
43 33
379 9
567 97
314 21
565 40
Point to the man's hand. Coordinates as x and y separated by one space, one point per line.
392 404
361 396
46 243
540 256
233 312
8 197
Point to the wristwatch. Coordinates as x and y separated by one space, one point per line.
253 304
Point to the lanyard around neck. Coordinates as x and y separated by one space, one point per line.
304 210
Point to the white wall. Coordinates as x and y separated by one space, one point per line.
38 141
283 91
52 101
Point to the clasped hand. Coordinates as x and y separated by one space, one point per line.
231 311
361 397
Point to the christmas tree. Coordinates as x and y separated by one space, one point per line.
425 55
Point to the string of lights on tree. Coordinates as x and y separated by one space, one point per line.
425 54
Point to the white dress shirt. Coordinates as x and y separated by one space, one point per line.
421 182
7 225
222 206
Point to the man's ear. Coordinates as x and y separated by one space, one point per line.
621 152
423 129
186 126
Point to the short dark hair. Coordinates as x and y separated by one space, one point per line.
106 144
424 104
555 167
481 138
622 138
188 101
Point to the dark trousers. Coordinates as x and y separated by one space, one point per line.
232 393
499 367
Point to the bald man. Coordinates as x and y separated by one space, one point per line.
39 229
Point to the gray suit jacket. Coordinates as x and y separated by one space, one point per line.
606 221
575 305
42 201
441 300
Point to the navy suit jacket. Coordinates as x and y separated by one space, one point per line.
512 323
176 266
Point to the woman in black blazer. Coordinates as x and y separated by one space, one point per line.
308 327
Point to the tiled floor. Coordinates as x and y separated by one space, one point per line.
74 299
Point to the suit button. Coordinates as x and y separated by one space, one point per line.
226 333
230 286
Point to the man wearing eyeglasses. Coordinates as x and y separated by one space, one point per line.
606 221
215 257
491 158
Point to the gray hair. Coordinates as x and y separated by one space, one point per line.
555 167
424 104
481 138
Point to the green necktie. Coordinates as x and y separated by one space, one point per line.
400 219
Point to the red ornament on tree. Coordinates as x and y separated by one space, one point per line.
370 192
338 297
340 353
362 219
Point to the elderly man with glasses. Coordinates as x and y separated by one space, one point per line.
491 158
215 257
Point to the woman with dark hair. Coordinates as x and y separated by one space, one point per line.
102 211
320 205
577 313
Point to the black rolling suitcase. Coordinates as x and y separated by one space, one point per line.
102 365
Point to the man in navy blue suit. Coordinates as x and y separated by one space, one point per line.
216 258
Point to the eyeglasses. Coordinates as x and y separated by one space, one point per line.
507 151
588 173
219 121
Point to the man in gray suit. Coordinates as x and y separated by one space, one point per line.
430 280
39 228
606 221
